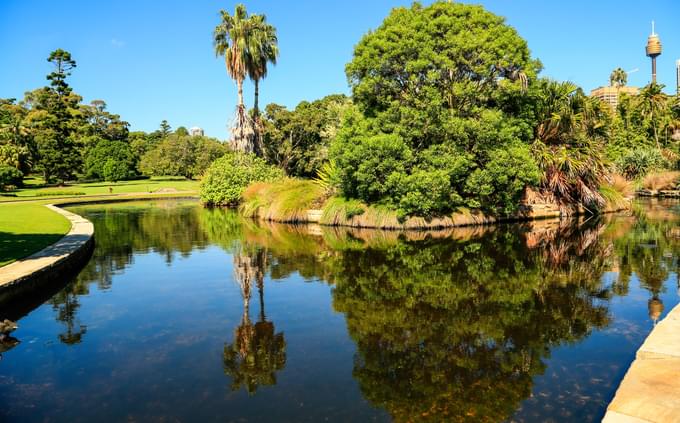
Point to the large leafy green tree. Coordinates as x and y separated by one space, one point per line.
442 85
298 140
426 68
55 120
179 155
110 160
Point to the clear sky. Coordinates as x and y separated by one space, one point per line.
153 60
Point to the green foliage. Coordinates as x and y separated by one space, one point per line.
638 162
110 160
501 183
58 193
179 155
441 94
298 140
569 138
426 70
372 166
328 177
226 179
10 176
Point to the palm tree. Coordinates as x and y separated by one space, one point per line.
264 49
654 108
618 78
567 144
231 39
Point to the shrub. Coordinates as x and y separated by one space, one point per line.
638 162
371 166
110 160
661 180
9 176
226 179
57 193
499 186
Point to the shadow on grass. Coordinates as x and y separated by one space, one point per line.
17 246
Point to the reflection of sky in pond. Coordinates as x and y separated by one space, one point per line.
518 323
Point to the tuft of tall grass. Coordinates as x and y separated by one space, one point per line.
342 212
617 192
621 185
287 200
661 180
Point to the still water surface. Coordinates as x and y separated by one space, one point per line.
188 314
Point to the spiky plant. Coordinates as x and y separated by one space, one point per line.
568 144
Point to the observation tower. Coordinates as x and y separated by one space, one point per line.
653 50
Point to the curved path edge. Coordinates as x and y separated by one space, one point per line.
52 261
650 390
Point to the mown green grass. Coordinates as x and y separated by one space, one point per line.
26 228
33 190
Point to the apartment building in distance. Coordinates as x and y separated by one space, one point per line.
611 94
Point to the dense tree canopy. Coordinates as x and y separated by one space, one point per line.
298 140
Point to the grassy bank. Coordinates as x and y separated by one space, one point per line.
26 228
290 200
34 190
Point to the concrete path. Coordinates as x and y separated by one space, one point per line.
650 391
80 234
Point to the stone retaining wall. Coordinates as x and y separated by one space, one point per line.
51 263
529 212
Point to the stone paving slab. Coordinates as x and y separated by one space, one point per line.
650 391
80 234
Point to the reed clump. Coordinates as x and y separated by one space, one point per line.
286 200
661 180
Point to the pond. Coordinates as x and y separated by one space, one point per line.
192 314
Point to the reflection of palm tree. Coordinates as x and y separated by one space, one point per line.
257 352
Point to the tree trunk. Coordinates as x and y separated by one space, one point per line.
239 84
260 288
257 97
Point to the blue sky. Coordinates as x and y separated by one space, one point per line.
153 60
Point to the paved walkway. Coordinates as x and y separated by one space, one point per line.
81 232
650 391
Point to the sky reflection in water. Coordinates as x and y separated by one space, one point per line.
191 314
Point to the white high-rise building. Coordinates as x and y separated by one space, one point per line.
196 131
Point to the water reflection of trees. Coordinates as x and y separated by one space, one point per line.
449 325
457 332
257 352
120 232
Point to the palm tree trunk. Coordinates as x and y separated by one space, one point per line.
257 97
260 288
239 84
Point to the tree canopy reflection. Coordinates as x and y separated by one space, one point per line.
449 325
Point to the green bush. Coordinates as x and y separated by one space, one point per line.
226 179
498 186
371 166
10 176
638 162
110 160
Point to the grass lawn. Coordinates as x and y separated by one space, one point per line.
26 228
33 191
